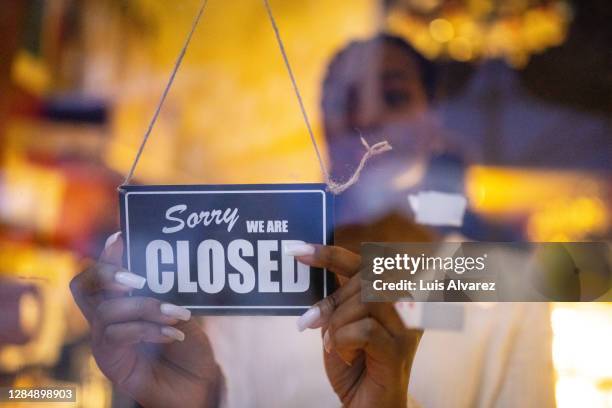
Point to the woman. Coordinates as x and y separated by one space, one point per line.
161 357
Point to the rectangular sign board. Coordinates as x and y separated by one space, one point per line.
219 249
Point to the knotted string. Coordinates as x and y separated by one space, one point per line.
332 185
378 148
371 151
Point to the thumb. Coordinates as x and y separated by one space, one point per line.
113 249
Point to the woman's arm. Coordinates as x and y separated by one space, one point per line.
524 373
368 352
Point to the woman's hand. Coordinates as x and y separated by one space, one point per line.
368 351
152 351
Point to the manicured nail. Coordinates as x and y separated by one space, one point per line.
299 249
348 363
112 239
309 318
326 342
175 311
130 279
173 333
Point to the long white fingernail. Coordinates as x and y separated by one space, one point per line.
130 279
112 239
309 318
347 362
175 311
299 249
173 333
326 342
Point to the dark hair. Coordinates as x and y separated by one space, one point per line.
335 79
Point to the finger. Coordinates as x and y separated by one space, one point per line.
111 277
348 312
113 255
354 309
387 316
89 286
125 309
125 334
363 335
113 249
335 259
318 315
101 276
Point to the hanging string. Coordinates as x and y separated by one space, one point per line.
177 64
333 186
296 90
371 151
378 148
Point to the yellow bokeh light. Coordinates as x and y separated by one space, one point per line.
558 206
441 30
427 45
512 32
460 49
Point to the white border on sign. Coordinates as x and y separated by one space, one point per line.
127 230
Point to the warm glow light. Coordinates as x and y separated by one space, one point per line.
511 30
50 271
582 335
30 195
441 30
558 205
460 49
30 73
564 219
231 116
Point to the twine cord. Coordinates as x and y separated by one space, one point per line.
332 186
371 151
177 64
279 40
381 147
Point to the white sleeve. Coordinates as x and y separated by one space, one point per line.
529 377
522 372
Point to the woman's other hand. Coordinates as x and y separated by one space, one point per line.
368 351
154 352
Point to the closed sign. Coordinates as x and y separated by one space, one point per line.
219 249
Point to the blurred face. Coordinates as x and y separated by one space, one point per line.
378 87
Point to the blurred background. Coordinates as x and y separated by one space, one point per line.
523 89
